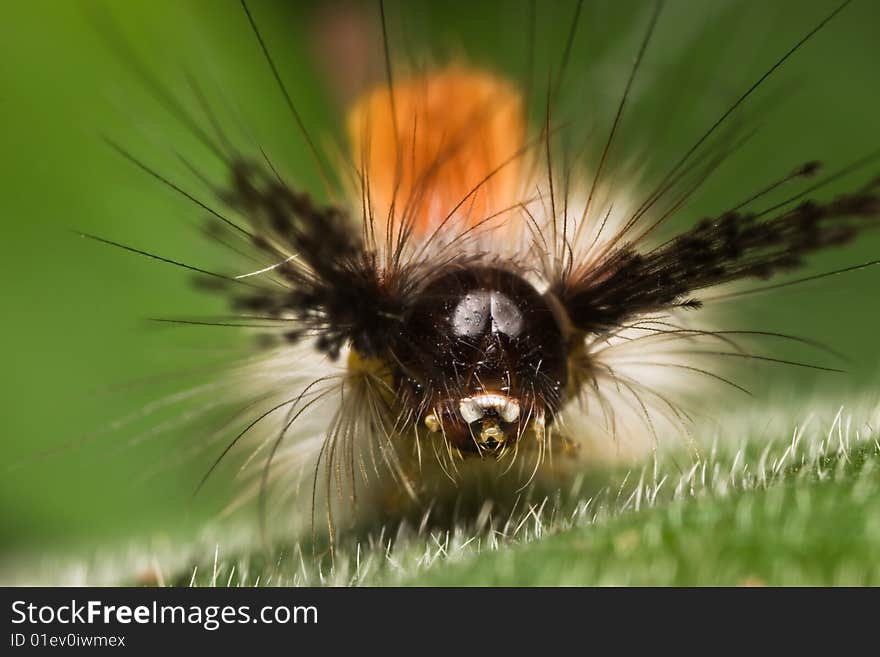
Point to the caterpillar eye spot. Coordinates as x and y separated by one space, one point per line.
432 423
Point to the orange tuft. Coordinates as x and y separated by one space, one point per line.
451 132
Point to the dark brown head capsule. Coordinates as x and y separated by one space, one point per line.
482 357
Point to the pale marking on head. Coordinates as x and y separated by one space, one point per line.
480 307
474 408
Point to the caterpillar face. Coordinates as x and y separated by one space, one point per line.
483 358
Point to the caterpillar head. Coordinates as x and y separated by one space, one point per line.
482 358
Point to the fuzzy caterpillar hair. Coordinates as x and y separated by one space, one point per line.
469 304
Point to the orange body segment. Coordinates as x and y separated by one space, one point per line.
443 143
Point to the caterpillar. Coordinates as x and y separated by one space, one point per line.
484 290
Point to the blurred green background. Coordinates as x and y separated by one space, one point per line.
78 355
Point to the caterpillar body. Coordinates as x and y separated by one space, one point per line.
472 304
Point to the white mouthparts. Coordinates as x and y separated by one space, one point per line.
474 408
